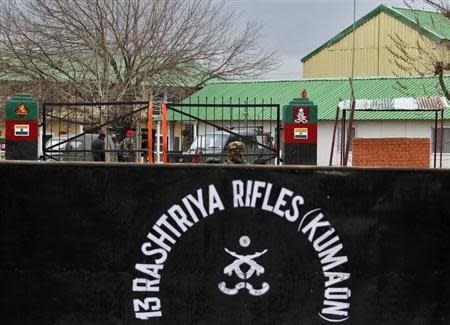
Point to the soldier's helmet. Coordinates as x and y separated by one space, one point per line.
236 145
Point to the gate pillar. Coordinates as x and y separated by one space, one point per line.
300 131
21 128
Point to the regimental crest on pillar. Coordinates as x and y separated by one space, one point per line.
21 110
21 128
301 115
253 268
300 131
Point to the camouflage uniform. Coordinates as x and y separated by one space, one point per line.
128 144
235 151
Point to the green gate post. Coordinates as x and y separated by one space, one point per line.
300 131
21 128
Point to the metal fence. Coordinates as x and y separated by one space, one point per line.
199 132
185 132
68 130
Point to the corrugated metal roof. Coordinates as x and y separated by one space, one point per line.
325 93
432 24
402 103
431 21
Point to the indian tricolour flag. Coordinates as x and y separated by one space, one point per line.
300 133
21 130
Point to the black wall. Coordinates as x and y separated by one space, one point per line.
71 234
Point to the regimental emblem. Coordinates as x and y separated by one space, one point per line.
253 268
22 110
301 116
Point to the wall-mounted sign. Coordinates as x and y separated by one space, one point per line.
21 130
243 263
22 110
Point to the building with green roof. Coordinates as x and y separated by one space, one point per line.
374 40
327 93
377 77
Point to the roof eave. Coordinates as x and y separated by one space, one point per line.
414 24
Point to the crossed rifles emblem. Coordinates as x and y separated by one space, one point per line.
235 267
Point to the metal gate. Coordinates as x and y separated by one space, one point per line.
68 130
180 133
200 132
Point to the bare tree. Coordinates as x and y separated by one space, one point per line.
442 6
425 56
114 49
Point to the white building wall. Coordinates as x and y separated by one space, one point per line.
376 129
267 126
363 129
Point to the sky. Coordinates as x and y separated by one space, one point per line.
294 28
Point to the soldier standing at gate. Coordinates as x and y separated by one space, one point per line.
128 147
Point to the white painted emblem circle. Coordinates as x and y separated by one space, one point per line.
244 241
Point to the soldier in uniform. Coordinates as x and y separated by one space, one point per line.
128 147
235 153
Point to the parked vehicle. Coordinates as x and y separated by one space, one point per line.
80 148
212 147
55 147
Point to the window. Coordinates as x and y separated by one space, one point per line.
445 138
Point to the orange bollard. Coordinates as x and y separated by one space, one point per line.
164 130
150 132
